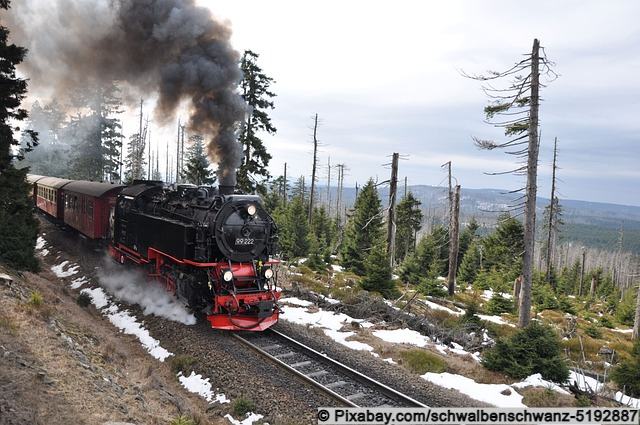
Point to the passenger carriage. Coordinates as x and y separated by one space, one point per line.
49 194
87 206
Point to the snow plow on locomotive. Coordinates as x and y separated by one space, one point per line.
212 247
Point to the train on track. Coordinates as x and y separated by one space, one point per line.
213 247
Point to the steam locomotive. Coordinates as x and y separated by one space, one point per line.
212 247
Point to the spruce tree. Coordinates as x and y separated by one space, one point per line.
408 223
363 230
323 229
503 249
377 276
294 230
470 265
198 169
467 237
255 91
533 349
18 225
429 259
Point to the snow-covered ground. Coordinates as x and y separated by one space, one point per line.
130 289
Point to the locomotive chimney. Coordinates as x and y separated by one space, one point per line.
225 189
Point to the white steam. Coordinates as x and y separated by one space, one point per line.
131 286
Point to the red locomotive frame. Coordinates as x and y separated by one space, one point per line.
227 312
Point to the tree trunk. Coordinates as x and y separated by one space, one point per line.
594 286
636 323
550 224
391 230
313 168
531 191
517 287
453 242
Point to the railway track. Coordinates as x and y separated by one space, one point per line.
347 386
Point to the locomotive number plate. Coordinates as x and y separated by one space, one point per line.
245 241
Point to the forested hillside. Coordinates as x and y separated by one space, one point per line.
606 227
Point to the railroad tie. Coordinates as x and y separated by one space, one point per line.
317 374
271 347
335 384
355 396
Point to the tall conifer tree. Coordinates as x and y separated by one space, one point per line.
364 229
18 226
255 91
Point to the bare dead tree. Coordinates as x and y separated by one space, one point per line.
554 219
391 230
313 168
454 241
329 186
519 105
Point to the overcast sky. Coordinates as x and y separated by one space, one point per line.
384 77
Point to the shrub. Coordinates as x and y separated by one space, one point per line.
183 420
566 305
593 332
242 405
421 361
545 298
84 299
470 319
533 349
498 305
626 309
606 322
583 401
316 263
182 363
432 287
627 373
36 299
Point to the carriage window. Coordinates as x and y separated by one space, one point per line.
90 209
84 205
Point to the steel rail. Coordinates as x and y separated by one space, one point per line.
336 366
296 372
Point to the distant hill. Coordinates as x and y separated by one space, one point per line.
592 224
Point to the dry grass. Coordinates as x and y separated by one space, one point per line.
545 397
9 324
422 361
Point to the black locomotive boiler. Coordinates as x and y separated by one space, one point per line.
212 247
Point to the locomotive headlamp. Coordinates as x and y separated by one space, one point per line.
251 209
227 276
268 273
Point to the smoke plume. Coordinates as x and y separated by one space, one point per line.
171 50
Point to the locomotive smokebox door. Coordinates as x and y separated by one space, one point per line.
265 309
